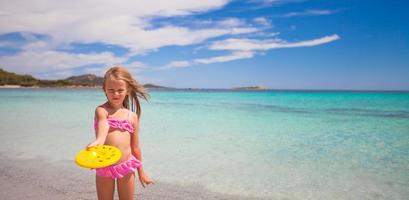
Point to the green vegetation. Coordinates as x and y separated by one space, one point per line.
56 83
87 80
9 78
152 86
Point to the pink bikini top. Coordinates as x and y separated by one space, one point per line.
121 124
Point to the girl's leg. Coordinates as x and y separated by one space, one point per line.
105 188
126 187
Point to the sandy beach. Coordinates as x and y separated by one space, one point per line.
47 180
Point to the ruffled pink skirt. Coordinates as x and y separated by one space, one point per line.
120 170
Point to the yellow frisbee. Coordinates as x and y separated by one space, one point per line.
98 156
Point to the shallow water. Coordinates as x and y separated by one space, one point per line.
278 144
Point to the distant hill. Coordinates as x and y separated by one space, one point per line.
92 80
251 88
9 78
87 80
155 86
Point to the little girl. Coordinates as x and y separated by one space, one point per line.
116 123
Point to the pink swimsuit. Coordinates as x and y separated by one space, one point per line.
121 124
129 166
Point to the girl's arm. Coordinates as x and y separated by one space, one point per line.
135 147
136 151
102 129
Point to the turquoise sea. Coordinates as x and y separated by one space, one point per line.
272 144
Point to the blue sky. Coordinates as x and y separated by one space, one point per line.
279 44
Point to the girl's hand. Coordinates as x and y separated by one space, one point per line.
145 180
94 143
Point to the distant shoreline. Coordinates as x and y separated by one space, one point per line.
30 87
212 89
10 80
10 86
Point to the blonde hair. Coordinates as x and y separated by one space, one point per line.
135 89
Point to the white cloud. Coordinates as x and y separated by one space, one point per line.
125 23
181 63
252 44
121 23
43 61
265 3
172 35
307 13
262 21
176 64
135 65
230 22
219 59
247 48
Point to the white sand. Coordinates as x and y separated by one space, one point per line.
45 180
